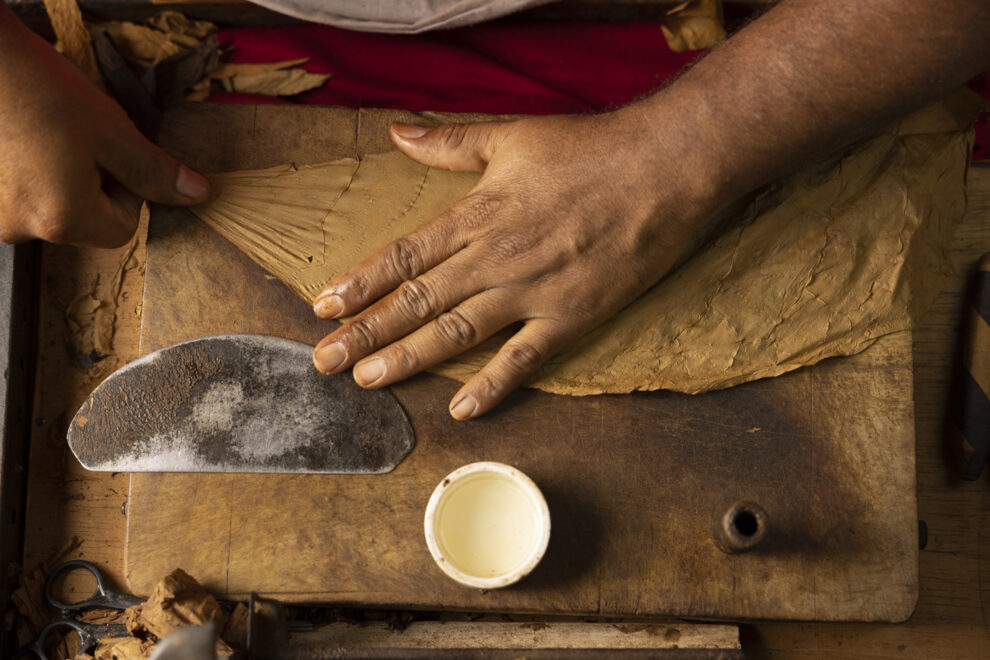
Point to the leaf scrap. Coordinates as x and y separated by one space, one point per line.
694 25
73 40
286 82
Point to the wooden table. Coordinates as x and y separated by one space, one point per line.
953 615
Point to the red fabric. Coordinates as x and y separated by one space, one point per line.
505 66
498 67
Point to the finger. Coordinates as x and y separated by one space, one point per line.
416 302
9 235
150 172
112 223
401 260
513 365
450 334
124 198
458 147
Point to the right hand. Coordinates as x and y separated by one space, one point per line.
73 166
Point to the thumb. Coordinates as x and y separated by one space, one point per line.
148 171
458 147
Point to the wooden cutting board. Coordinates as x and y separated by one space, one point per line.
633 482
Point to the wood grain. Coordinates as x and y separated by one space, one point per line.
952 619
633 481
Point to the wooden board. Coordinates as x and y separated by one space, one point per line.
633 482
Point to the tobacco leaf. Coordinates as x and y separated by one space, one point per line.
91 316
286 82
198 92
122 648
231 69
183 28
140 44
694 25
73 40
175 602
822 263
166 35
235 630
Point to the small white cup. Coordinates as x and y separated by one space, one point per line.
487 525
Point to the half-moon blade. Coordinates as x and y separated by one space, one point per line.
237 403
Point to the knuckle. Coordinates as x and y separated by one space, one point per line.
509 247
486 388
154 174
453 136
8 235
403 357
361 335
457 329
523 358
482 209
417 299
54 221
405 258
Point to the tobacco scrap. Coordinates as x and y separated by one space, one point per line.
73 40
170 38
174 56
91 316
122 648
32 608
694 25
821 264
235 630
287 82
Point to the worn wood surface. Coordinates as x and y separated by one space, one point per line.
633 481
520 635
952 619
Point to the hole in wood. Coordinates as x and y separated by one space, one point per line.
745 523
740 527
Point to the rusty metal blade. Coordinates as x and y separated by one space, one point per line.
237 403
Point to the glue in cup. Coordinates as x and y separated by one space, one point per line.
487 525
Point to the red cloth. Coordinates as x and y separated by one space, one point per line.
506 66
498 67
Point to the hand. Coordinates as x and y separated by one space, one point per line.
573 219
73 165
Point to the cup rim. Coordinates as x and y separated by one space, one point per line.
520 571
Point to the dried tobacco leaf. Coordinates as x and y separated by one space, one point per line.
822 264
73 40
694 25
287 82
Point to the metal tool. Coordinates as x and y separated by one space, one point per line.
969 426
89 633
190 643
18 264
237 403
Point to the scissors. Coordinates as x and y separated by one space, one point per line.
89 633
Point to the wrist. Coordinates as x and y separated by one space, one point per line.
679 153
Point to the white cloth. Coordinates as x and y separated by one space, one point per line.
402 16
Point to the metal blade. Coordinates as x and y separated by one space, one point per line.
189 643
237 403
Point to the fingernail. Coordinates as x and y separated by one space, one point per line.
370 372
409 131
464 409
191 185
330 358
328 307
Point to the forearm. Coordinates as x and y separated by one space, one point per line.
808 78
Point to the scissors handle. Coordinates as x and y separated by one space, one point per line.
89 636
102 598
